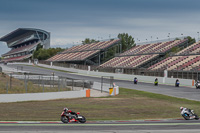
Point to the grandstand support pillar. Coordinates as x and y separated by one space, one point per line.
99 58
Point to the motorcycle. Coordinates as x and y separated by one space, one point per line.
197 85
156 83
68 117
135 81
177 84
190 114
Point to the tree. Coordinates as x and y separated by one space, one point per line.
88 41
43 54
127 41
191 40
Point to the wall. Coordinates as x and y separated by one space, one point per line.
41 96
150 79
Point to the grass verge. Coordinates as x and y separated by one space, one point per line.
128 105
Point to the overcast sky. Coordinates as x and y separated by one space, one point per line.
71 21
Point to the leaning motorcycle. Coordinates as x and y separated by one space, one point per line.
156 83
68 117
197 85
190 114
135 81
177 84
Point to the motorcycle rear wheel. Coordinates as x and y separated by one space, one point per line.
64 119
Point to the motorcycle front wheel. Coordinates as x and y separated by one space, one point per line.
196 117
82 120
64 119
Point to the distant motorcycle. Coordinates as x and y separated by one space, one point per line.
68 117
135 81
177 84
190 114
197 85
156 82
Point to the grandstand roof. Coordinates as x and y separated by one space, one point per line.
20 31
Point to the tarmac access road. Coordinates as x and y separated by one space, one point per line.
180 92
158 126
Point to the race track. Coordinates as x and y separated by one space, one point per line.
181 92
151 126
161 126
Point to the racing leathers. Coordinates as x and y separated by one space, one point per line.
71 114
186 111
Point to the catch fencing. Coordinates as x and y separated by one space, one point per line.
28 83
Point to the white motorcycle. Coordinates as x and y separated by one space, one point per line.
190 115
197 85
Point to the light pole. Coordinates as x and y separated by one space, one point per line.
151 39
53 78
182 35
169 36
198 35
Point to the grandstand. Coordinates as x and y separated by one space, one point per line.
85 54
23 42
186 60
142 56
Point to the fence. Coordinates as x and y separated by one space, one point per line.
27 83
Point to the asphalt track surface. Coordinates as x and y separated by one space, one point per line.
163 126
153 126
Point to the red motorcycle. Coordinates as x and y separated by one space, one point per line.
69 116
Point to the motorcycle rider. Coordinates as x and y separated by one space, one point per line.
177 81
187 111
135 80
71 113
156 82
197 84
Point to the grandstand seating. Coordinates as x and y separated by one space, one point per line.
128 61
17 58
73 56
178 63
92 46
153 48
82 52
142 54
21 49
192 49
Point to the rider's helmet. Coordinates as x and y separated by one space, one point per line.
181 108
65 109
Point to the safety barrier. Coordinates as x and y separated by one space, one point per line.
43 96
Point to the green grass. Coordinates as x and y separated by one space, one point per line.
128 105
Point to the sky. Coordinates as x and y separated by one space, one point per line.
71 21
